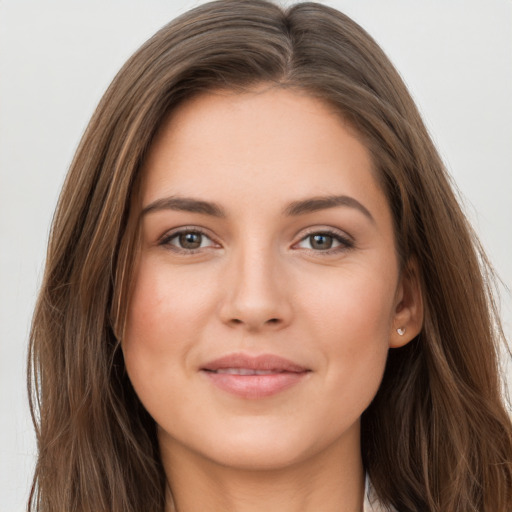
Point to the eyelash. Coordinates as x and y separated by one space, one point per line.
167 238
346 243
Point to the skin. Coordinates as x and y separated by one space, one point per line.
259 283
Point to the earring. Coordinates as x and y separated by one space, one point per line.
401 331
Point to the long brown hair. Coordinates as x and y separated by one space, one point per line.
436 437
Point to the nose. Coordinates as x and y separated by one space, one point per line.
256 293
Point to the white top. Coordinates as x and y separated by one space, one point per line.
371 502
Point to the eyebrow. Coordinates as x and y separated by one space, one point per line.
294 209
314 204
185 204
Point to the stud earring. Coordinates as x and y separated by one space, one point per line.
401 331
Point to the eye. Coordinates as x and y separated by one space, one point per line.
187 240
323 241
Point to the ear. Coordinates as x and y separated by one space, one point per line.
408 317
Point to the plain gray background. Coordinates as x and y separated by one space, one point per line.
57 57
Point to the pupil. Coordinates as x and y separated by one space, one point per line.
321 241
190 240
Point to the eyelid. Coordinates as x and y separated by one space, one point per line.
345 240
173 233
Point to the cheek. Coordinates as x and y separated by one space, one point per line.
166 306
163 326
354 303
351 320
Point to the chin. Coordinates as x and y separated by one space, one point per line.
252 445
260 456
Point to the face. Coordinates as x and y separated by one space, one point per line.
267 290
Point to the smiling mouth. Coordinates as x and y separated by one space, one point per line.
254 377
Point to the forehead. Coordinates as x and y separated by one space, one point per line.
268 143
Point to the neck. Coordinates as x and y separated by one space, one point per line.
330 481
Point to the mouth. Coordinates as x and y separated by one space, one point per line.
244 371
254 377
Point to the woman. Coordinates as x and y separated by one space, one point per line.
260 290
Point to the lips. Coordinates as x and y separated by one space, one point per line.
264 362
254 377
